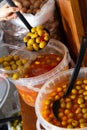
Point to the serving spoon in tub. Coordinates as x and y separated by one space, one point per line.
56 104
30 40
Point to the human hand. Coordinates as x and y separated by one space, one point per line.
7 13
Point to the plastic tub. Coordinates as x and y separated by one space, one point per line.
46 89
29 87
4 89
13 60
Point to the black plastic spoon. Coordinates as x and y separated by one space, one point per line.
4 120
56 104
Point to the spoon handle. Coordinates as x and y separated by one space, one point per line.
78 65
22 18
10 119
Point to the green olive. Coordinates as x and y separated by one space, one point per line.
25 39
38 40
30 42
35 46
33 30
1 60
16 57
15 76
5 63
40 32
14 67
42 44
7 68
30 48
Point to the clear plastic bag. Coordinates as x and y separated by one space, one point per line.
48 16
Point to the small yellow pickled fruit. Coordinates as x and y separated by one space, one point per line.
7 68
46 38
11 57
24 61
38 40
1 60
12 62
30 42
39 27
15 76
30 48
29 34
8 58
35 46
14 67
25 39
42 44
34 35
33 30
40 32
5 63
19 62
38 35
5 58
16 57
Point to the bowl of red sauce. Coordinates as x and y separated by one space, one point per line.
43 65
73 109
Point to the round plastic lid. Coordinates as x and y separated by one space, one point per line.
4 89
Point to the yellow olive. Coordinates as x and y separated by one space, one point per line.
24 61
46 38
25 39
39 27
1 60
16 57
5 63
30 42
30 48
42 44
11 57
80 100
19 62
35 35
40 32
14 66
15 76
38 40
12 62
29 34
35 46
7 68
33 30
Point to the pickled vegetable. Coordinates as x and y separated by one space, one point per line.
36 39
73 108
12 63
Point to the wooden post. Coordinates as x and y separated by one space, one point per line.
28 116
72 23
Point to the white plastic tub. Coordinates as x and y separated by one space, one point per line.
29 87
49 87
4 89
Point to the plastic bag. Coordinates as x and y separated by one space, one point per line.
40 17
47 16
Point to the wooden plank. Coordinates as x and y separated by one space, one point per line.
28 116
83 8
72 23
